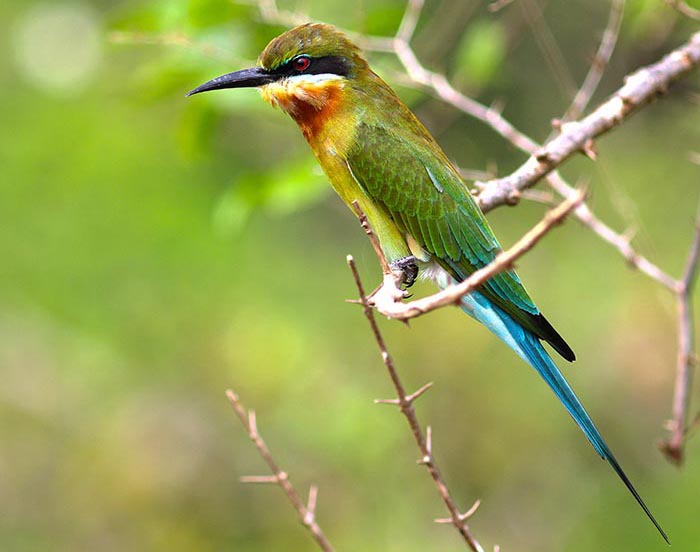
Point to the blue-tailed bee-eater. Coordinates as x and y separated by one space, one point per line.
376 152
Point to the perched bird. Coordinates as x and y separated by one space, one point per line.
375 151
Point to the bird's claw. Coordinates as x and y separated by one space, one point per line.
403 274
408 267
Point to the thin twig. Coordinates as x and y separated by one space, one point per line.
405 403
539 196
694 423
673 446
174 38
599 63
383 263
532 12
683 8
388 306
466 515
410 20
271 13
307 513
411 398
619 241
498 5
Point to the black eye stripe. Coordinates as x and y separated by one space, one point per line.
336 65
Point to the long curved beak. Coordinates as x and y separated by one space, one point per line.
256 76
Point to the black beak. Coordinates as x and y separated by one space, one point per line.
256 76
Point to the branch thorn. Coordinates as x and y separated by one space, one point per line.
267 479
589 150
462 517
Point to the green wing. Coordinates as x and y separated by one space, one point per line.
418 187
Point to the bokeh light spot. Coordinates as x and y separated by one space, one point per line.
58 47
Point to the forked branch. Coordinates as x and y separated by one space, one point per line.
639 89
307 512
423 440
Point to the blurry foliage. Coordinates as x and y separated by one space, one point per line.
283 191
156 250
481 53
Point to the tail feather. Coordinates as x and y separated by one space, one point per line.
529 348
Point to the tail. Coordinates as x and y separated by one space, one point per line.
529 348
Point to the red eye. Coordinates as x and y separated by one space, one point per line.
301 63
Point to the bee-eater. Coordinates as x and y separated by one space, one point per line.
376 152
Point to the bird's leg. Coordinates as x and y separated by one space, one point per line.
409 270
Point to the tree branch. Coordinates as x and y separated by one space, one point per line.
532 13
639 89
621 242
405 404
683 8
410 19
686 356
386 301
599 63
307 513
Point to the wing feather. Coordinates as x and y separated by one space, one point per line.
427 199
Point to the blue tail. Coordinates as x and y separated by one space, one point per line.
529 348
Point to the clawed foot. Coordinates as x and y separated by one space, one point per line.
393 289
388 293
408 268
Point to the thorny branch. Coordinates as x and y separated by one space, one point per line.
423 440
392 307
307 512
574 136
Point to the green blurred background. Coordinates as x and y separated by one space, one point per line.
156 250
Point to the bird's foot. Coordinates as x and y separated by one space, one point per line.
403 274
389 293
408 267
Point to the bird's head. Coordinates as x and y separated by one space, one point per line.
303 68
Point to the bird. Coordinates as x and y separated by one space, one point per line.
374 151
